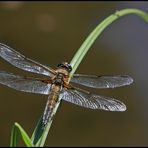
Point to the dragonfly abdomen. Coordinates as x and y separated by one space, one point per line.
51 103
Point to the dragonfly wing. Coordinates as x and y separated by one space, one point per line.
102 81
20 61
86 99
26 84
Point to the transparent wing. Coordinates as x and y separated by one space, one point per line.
25 84
102 81
20 61
86 99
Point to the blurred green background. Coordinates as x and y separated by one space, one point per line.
51 32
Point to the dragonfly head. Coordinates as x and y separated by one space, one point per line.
65 65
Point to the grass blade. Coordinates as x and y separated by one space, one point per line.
16 131
82 51
14 137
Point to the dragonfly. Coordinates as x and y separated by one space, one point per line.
58 85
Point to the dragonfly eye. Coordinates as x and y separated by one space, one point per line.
65 65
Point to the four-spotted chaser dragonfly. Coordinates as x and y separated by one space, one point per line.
58 85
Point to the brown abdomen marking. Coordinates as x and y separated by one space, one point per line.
51 102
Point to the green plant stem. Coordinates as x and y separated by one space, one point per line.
82 51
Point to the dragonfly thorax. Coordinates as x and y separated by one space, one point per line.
59 79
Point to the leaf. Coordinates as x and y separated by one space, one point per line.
14 137
16 131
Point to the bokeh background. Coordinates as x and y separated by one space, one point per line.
51 32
